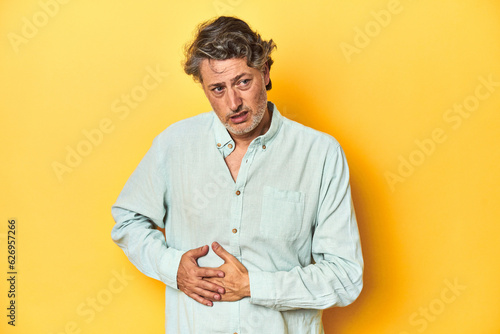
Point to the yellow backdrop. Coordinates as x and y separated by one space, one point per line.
411 89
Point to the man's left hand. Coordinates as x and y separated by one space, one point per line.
235 281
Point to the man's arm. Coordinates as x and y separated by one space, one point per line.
139 207
335 279
147 250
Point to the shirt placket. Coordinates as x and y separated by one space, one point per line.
237 201
236 216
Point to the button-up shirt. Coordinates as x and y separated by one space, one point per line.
288 218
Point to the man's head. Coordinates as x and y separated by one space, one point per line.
232 64
225 38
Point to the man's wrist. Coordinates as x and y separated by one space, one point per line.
246 289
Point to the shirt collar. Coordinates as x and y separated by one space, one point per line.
224 142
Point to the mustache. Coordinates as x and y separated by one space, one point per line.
237 111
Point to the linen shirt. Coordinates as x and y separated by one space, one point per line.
288 218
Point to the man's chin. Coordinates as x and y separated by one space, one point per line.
238 131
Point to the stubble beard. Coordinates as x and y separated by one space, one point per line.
256 119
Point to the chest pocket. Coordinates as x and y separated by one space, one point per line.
282 213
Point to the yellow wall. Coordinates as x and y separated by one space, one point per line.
411 89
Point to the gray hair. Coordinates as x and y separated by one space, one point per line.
225 38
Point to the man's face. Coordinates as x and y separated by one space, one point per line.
237 93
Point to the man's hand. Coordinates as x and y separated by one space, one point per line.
236 281
190 278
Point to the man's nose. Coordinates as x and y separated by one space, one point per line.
234 99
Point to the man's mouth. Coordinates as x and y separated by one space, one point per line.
239 117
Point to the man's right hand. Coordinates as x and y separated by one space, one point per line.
190 278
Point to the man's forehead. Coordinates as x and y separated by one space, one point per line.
212 69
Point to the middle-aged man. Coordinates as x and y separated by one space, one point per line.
270 196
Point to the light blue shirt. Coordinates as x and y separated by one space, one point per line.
288 219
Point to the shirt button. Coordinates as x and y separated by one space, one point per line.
263 147
230 145
238 193
218 145
235 230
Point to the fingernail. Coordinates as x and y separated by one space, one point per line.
216 245
217 297
220 274
221 290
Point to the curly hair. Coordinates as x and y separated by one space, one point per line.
224 38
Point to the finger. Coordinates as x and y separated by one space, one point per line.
221 252
198 252
208 295
208 285
209 272
200 299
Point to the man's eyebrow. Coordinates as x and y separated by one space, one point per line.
233 80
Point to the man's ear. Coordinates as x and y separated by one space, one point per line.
265 72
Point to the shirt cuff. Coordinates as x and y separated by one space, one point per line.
169 267
262 288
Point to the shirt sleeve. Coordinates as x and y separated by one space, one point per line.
139 207
335 277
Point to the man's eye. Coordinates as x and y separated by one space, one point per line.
218 89
244 82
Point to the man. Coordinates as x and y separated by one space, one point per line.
270 196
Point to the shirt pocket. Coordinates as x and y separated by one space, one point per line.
282 213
